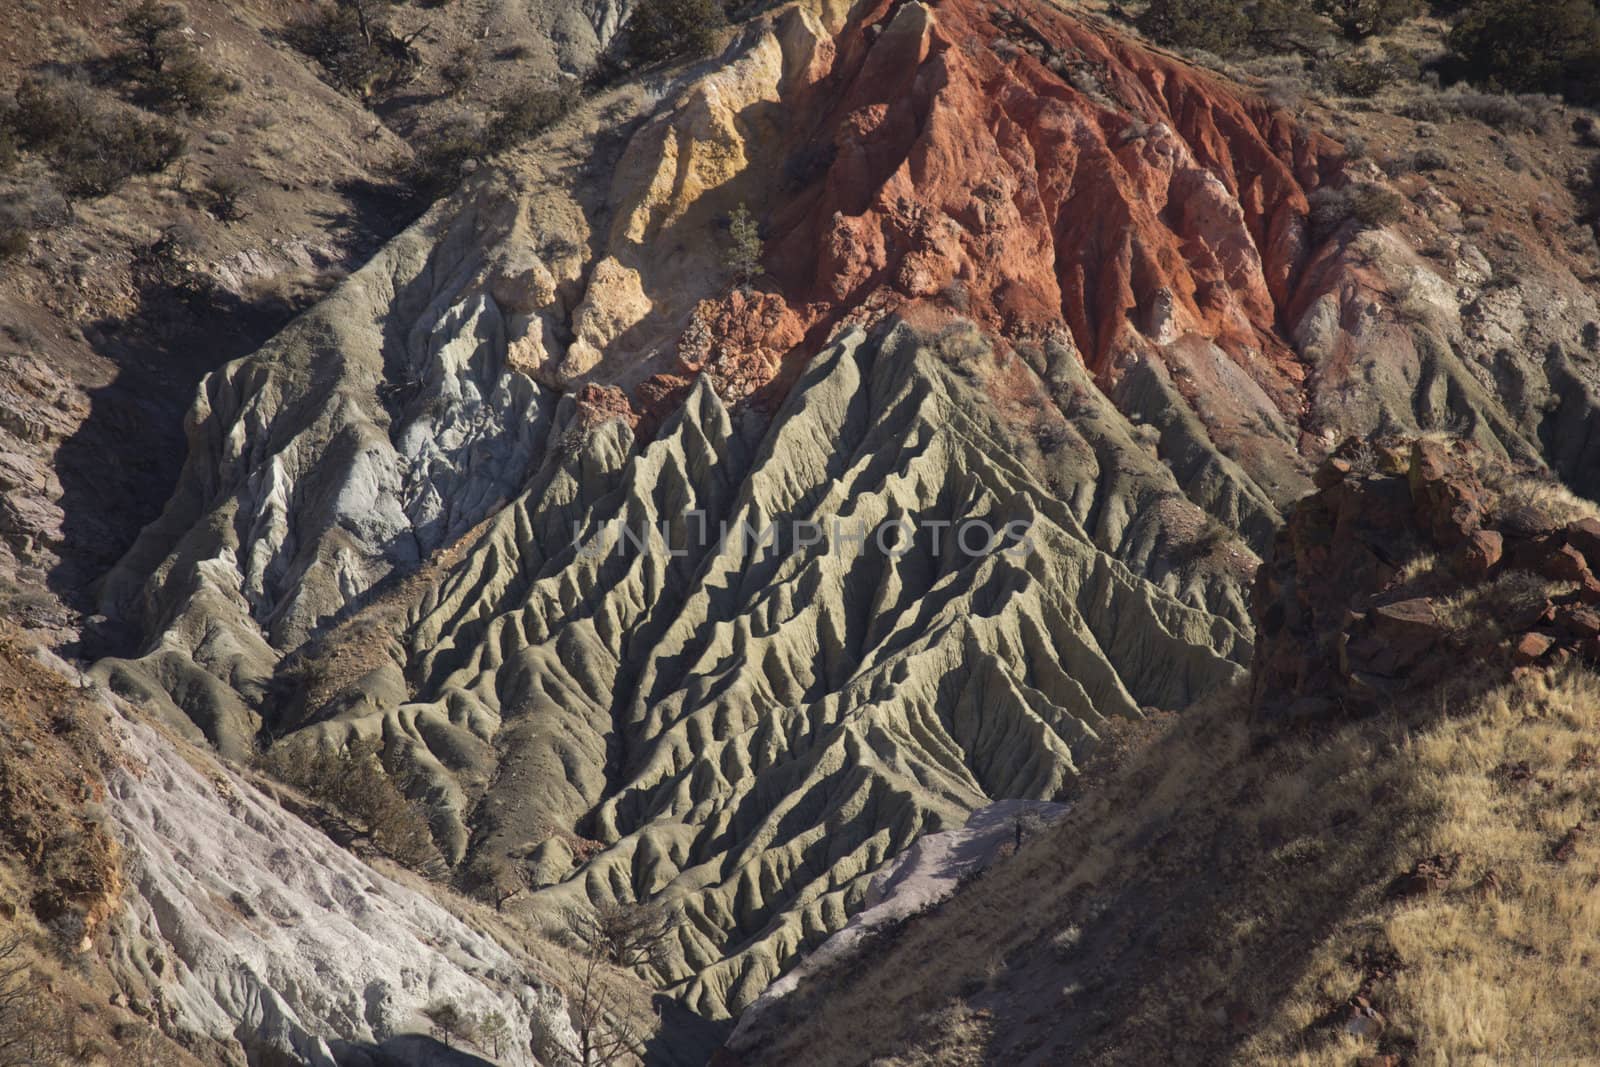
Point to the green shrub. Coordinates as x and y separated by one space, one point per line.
1368 204
353 45
189 82
1210 25
154 34
46 109
673 29
744 250
1549 46
1358 19
1530 111
160 56
459 68
97 159
14 241
447 1021
1283 26
441 156
1376 205
1353 76
355 781
527 112
227 192
1429 159
1226 28
94 147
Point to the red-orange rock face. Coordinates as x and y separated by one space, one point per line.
1034 172
739 341
601 403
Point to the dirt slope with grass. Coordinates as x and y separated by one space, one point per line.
1398 872
62 879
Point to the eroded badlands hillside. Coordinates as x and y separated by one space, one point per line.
1378 853
1017 268
119 292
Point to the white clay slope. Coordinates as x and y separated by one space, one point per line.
249 926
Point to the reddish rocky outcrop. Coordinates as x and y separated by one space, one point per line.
1340 624
602 403
738 341
1034 170
1045 176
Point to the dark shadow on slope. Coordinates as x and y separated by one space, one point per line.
118 471
684 1039
415 1050
373 212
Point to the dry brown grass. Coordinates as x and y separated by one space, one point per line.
1550 501
1223 894
1487 974
61 879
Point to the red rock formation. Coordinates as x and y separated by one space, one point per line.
739 341
1338 624
1029 169
657 397
600 403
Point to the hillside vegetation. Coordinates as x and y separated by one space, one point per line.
1526 46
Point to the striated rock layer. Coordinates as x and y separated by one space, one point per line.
1020 270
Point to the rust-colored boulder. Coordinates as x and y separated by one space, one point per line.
738 341
1431 875
1393 638
1335 629
1333 470
1531 647
1447 497
1584 535
1577 620
1411 621
1478 558
1565 564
